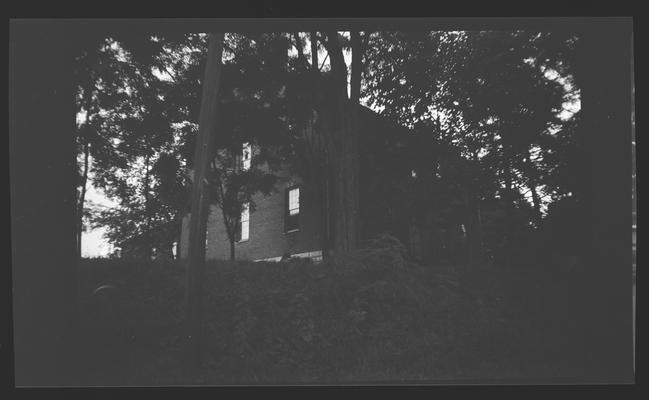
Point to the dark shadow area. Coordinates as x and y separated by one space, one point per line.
532 306
369 319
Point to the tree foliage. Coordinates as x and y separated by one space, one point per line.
142 119
489 122
485 112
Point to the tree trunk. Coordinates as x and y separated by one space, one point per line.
355 79
232 254
344 164
314 53
87 93
228 223
321 129
353 134
338 130
200 200
82 197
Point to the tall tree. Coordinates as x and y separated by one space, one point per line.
334 133
233 189
497 105
91 63
146 115
252 99
200 197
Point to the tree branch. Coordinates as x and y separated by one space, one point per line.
300 51
355 80
226 220
363 46
314 52
366 39
323 62
339 68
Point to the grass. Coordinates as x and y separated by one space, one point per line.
371 318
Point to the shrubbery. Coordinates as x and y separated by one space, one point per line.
369 316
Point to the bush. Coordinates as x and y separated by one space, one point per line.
371 315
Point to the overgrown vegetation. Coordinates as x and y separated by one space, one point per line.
374 317
492 148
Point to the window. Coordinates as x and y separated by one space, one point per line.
246 156
294 201
243 231
293 209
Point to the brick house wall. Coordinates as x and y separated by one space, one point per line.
267 237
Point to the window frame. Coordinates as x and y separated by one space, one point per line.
246 163
239 235
292 221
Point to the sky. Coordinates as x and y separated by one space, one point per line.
92 243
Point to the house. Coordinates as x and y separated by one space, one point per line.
291 221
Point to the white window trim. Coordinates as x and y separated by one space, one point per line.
290 209
245 211
297 201
246 162
316 256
